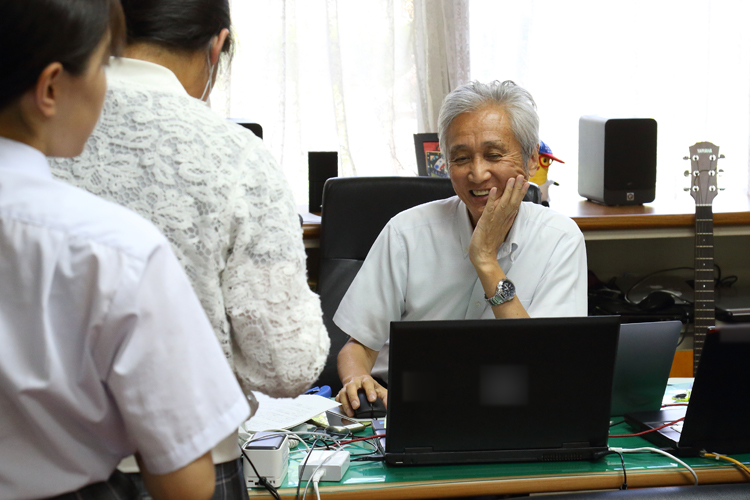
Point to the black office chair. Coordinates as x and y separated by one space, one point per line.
355 210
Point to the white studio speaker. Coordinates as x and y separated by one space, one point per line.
617 160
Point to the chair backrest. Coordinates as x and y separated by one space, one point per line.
355 211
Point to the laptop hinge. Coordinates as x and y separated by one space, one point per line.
421 449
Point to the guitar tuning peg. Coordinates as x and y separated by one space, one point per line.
685 157
721 170
721 157
722 189
686 189
687 173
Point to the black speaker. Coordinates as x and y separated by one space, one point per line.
322 166
617 160
255 128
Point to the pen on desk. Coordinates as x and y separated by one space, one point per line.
324 391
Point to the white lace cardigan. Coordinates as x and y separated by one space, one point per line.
222 201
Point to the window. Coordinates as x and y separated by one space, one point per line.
325 75
684 63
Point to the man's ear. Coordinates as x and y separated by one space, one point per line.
217 43
534 162
47 90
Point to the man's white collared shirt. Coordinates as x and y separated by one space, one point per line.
419 269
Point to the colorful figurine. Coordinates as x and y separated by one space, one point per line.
540 177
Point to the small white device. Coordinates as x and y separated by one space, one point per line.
333 463
269 452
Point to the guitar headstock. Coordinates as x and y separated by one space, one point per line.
704 157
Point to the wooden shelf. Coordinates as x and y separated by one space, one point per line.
645 220
657 215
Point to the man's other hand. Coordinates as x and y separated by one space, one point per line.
349 399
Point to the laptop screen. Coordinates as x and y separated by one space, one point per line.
488 385
644 358
716 418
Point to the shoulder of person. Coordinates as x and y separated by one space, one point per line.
91 218
545 217
430 213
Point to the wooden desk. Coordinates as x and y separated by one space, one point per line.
376 481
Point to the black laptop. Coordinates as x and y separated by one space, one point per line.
644 359
473 391
716 420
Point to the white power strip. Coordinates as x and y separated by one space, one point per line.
333 463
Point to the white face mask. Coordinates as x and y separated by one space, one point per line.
206 95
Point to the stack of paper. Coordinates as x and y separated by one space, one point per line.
286 413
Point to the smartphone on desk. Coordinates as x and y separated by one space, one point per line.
341 424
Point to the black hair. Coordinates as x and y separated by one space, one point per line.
37 33
182 25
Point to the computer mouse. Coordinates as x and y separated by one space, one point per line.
656 301
367 409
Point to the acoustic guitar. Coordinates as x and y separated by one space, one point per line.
704 157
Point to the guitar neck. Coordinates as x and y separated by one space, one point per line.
705 313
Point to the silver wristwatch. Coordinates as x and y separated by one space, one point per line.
505 291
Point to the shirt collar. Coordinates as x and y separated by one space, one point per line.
465 230
143 73
21 157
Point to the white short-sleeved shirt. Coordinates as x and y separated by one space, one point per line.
419 269
105 348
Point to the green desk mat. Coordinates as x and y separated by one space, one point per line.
367 472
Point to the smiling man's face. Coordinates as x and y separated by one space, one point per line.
483 153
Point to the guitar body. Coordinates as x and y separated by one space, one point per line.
704 157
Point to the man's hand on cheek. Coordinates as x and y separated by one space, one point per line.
496 220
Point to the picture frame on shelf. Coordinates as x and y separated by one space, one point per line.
430 161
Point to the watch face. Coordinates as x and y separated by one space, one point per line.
508 289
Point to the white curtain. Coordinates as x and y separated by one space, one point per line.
441 49
684 63
361 77
357 77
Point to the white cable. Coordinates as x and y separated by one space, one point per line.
316 480
315 472
662 452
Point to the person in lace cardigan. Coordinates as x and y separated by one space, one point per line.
213 189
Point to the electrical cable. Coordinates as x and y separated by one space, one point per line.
315 472
624 485
316 480
360 439
661 452
610 451
627 292
261 480
648 430
718 456
299 471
